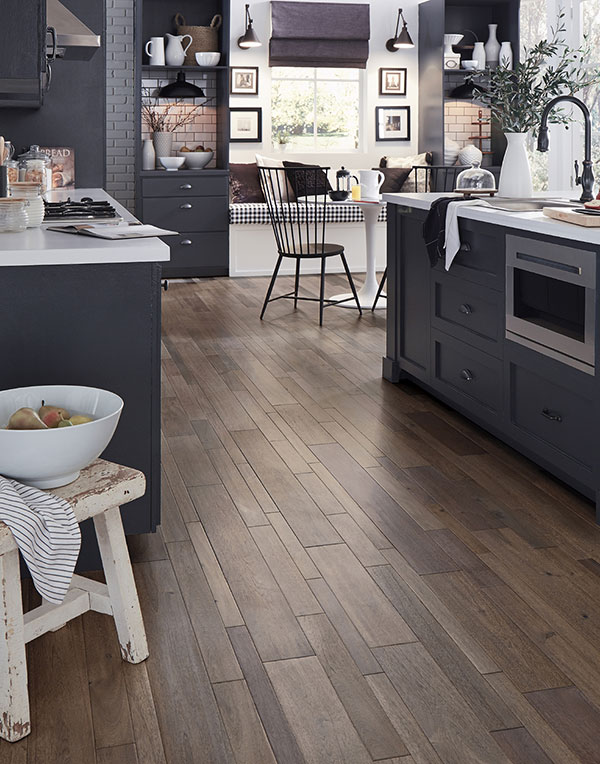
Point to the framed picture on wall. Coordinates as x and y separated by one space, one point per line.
245 125
392 82
392 123
243 80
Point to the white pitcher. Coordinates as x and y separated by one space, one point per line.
155 49
370 183
175 52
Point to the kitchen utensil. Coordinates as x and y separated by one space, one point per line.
175 52
370 182
470 64
49 458
572 216
1 150
171 163
205 38
207 58
475 178
343 181
32 192
34 165
338 196
155 50
196 160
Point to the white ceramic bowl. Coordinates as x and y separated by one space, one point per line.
196 160
171 163
208 59
49 458
470 64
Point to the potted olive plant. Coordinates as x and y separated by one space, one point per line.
516 99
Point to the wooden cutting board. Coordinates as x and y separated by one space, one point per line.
569 216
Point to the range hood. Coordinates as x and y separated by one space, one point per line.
73 39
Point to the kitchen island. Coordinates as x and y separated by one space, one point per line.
85 311
508 336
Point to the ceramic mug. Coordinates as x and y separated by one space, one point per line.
371 181
155 50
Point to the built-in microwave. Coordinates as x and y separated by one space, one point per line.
551 300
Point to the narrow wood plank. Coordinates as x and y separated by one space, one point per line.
148 740
361 598
246 733
520 747
218 655
290 434
264 608
180 684
316 715
319 492
573 717
122 754
206 434
448 721
465 559
350 444
192 461
370 721
302 422
219 587
258 490
275 722
292 500
174 419
444 434
291 457
360 544
409 538
295 549
304 399
146 547
171 522
237 487
176 484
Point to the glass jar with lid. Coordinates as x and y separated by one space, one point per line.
32 192
34 167
13 215
475 178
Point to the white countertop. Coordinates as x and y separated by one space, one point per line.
534 222
37 246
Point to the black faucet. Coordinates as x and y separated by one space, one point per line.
586 179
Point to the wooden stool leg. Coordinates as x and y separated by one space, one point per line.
121 586
14 701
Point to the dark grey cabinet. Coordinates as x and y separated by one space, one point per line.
22 53
447 332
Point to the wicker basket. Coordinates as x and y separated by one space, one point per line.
204 39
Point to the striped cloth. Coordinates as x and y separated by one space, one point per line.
47 534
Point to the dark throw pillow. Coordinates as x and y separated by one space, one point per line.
244 184
309 182
394 178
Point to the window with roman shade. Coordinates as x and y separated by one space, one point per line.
319 34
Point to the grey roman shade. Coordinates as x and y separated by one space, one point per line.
319 34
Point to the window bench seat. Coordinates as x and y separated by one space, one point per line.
252 250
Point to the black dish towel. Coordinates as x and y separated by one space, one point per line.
434 227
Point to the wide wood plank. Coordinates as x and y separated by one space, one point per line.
306 427
148 740
121 754
192 461
238 489
520 747
246 733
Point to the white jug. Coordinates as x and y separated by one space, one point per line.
175 52
370 183
155 49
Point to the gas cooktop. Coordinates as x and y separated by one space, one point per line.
84 210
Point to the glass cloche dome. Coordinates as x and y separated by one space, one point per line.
476 178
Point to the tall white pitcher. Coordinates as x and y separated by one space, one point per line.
370 183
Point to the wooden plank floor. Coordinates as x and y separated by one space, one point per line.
346 571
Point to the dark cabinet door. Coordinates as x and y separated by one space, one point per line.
22 52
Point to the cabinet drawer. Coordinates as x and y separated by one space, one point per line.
481 259
474 314
554 409
466 375
197 254
205 213
180 185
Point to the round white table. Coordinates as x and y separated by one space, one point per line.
368 291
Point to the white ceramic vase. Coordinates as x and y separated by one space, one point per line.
506 56
148 155
479 55
492 47
515 175
163 143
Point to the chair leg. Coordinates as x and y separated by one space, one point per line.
296 283
121 585
271 285
322 292
351 282
14 701
380 290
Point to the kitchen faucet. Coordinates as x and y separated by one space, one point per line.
586 179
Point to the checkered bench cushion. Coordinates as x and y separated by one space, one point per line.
258 214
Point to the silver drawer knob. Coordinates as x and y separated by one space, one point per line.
185 242
185 186
465 309
186 206
467 375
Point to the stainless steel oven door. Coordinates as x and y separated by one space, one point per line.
550 298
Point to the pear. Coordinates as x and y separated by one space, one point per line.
26 419
65 423
52 415
80 419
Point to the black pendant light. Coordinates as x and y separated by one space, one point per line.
467 91
181 88
402 40
249 38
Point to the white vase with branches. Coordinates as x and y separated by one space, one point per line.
164 119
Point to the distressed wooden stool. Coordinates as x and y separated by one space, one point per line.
98 492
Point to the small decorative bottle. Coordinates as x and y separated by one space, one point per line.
506 56
148 155
492 47
479 55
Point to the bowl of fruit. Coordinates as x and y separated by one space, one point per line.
196 159
49 433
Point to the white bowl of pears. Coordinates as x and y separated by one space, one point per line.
49 433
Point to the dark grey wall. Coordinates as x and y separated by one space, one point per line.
74 111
